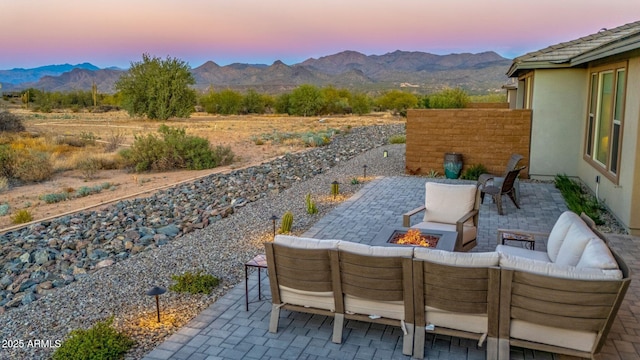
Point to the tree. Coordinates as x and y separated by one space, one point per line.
158 89
361 104
253 103
397 101
306 100
336 101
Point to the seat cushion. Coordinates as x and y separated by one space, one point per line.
305 243
597 255
314 299
522 253
474 323
479 259
509 261
446 203
572 339
559 232
363 249
386 309
574 243
469 231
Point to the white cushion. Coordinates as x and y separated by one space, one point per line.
522 252
572 247
305 243
559 232
314 299
364 249
386 309
446 203
572 339
509 261
480 259
475 323
597 255
469 231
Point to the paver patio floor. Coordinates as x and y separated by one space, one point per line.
226 331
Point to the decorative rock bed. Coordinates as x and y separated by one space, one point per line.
47 255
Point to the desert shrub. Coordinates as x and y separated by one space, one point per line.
7 161
54 197
32 166
70 140
223 155
4 183
577 199
174 150
4 209
88 138
194 283
10 122
22 216
398 139
98 342
114 140
89 167
474 172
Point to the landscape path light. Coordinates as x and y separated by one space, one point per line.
385 153
273 220
335 188
155 291
365 171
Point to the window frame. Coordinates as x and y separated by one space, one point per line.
611 170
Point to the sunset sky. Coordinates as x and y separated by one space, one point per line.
116 32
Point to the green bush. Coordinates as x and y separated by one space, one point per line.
54 197
98 342
174 150
447 99
577 199
21 217
197 283
398 139
474 172
10 122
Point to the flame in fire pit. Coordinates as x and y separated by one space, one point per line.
414 237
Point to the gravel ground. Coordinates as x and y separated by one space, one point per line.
220 249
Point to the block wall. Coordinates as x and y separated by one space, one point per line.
482 136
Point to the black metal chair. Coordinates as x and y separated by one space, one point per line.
507 188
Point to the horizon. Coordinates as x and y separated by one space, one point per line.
255 64
117 33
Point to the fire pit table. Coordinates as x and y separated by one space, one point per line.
446 239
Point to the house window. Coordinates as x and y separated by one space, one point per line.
604 122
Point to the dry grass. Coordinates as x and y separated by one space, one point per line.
238 132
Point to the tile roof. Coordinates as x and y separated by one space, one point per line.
565 53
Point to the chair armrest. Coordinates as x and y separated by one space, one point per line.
406 217
467 216
483 178
534 234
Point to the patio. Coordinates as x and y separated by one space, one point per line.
226 331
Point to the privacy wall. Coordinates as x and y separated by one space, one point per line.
482 136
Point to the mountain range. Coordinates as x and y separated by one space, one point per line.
423 72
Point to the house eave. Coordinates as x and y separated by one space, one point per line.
516 69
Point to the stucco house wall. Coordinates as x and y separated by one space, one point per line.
559 109
623 199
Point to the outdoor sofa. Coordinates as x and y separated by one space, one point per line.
562 301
